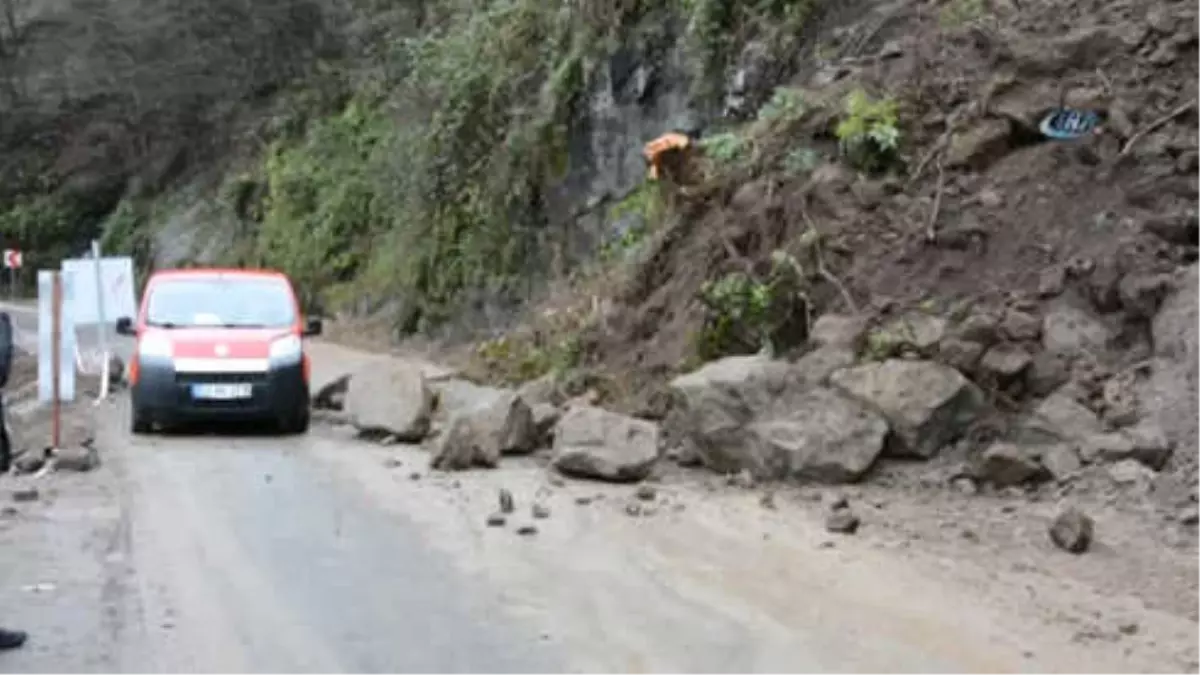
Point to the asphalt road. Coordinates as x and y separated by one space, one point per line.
238 552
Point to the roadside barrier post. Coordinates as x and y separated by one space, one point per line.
102 323
56 358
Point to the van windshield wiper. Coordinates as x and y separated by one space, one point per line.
162 324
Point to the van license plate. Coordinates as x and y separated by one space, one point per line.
221 392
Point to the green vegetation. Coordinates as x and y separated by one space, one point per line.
958 13
747 315
436 188
869 133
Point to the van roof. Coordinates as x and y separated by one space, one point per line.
218 271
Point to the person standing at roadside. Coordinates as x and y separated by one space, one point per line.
9 639
6 358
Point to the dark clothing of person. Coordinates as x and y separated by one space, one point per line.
6 358
11 639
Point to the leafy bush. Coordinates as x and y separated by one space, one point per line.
746 315
869 133
46 228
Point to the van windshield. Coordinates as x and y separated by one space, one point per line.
228 301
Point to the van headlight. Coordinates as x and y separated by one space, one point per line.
286 349
155 345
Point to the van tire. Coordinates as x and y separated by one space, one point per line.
139 423
297 422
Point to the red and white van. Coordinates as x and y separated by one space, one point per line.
219 344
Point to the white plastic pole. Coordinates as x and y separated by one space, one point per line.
102 326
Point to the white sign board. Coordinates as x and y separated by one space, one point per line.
66 346
116 283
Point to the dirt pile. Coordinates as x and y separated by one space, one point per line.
1056 276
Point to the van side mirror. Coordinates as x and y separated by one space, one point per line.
313 327
125 326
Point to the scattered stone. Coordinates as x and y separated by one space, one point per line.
1131 473
1142 295
499 424
1061 460
1106 447
1151 446
556 481
981 327
1176 228
541 391
816 366
633 509
965 485
741 479
1146 444
1069 330
540 511
545 416
9 512
842 521
646 493
507 503
80 460
915 331
414 476
527 530
927 404
496 520
1189 515
392 463
1007 464
990 199
26 495
1119 400
979 145
583 500
1047 373
1129 628
962 355
29 462
1051 283
839 502
1072 531
332 396
839 331
390 399
1019 325
767 501
594 443
1005 362
1062 417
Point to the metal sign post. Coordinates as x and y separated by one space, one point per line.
56 358
101 323
12 262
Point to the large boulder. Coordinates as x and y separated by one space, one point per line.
773 419
827 438
499 424
1060 418
1169 395
454 395
594 443
927 404
332 396
390 399
1071 331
